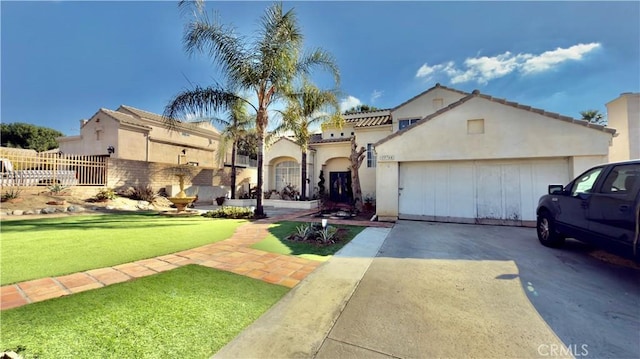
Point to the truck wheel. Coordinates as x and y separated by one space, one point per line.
547 234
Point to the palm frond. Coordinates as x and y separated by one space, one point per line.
319 58
200 101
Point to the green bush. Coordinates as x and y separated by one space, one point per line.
106 194
230 212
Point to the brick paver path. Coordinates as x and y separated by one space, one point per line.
233 255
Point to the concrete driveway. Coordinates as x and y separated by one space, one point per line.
454 290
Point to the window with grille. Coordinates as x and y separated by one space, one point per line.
287 172
371 155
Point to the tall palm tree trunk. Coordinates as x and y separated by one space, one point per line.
259 209
303 186
233 171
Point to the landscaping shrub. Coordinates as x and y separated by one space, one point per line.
143 193
315 233
12 192
106 194
230 212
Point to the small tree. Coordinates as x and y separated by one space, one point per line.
356 157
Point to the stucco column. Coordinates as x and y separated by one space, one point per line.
387 192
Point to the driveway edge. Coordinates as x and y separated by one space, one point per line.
298 324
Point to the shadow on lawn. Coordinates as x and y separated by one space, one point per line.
282 230
102 221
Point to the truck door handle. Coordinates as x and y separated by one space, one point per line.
623 208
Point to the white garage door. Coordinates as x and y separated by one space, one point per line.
477 191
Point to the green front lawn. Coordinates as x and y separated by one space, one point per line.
47 247
188 312
276 242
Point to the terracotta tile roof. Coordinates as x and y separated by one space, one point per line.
476 93
437 86
370 118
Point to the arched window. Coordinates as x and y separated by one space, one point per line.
287 172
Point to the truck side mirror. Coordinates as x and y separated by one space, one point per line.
555 189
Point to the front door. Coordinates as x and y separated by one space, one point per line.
340 190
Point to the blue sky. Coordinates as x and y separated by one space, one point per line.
62 61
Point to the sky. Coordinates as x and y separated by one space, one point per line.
61 61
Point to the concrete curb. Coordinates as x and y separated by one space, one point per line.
299 323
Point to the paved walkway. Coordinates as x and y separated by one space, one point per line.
233 255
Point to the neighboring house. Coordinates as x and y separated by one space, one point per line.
135 134
623 114
329 152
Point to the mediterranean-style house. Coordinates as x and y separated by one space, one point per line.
450 155
445 154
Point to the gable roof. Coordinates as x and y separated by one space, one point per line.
437 86
476 93
369 118
161 120
123 118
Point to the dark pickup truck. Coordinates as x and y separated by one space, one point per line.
601 206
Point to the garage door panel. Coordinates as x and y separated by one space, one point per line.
461 188
489 186
511 189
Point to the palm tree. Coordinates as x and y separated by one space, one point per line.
593 116
264 66
306 107
237 126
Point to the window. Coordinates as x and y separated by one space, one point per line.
287 173
371 155
585 183
623 180
475 127
406 123
185 134
98 135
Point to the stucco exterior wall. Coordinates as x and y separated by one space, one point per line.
132 145
623 114
424 105
508 133
387 191
334 133
89 142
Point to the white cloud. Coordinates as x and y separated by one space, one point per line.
348 103
375 95
484 68
548 59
